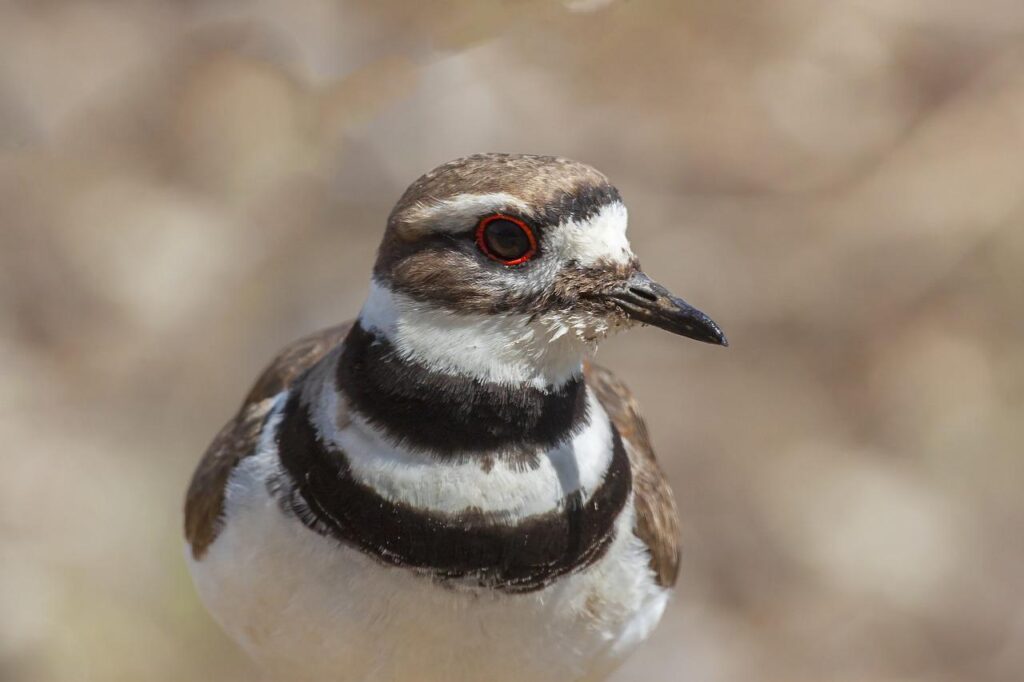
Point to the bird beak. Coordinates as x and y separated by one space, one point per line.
646 301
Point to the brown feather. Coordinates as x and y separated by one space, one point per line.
657 521
204 502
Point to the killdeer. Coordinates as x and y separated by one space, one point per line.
447 488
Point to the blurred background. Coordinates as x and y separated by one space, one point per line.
185 186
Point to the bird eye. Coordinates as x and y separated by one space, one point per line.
506 239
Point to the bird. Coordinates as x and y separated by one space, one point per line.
448 487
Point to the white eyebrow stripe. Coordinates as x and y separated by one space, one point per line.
460 212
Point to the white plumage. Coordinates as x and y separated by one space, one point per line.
306 607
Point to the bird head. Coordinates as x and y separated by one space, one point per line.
513 267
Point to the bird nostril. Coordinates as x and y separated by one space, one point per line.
643 293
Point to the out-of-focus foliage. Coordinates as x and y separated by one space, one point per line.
185 186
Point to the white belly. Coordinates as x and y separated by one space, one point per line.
306 607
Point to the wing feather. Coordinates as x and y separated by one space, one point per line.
657 521
204 502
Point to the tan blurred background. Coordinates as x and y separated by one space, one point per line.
185 186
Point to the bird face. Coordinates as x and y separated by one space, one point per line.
531 243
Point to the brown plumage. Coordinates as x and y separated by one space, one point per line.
656 522
415 260
540 181
204 502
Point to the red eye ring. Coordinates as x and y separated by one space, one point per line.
481 240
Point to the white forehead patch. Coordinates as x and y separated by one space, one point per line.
600 238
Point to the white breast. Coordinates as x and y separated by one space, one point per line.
307 607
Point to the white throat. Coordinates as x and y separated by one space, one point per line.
508 348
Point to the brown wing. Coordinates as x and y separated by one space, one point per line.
204 502
657 522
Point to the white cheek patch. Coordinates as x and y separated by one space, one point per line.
460 213
601 238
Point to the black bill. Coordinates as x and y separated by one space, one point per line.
646 301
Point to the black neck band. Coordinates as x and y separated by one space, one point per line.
519 556
423 409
